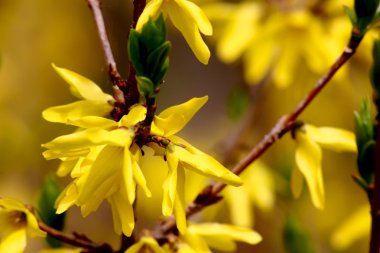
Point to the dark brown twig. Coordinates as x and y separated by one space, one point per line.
283 125
75 240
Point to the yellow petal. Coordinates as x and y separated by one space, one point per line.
170 184
76 110
174 118
152 9
122 213
146 241
82 87
234 42
199 17
224 231
332 138
308 159
137 173
14 242
136 114
354 227
92 122
179 203
194 243
296 183
65 167
240 206
196 160
189 30
67 198
128 184
107 165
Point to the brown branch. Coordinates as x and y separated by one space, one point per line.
75 240
283 125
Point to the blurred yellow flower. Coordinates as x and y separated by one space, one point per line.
309 140
258 190
222 237
354 227
187 17
16 222
144 243
276 38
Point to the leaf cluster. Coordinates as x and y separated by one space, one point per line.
364 15
149 54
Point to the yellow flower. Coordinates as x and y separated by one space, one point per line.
277 39
222 237
356 226
309 157
104 160
187 17
105 166
258 190
16 222
144 243
181 155
94 102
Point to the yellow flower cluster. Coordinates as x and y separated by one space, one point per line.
276 37
104 161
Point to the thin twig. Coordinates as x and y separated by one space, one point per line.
283 125
98 16
73 240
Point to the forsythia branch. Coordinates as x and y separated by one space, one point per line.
283 125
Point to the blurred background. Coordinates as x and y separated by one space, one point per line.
256 74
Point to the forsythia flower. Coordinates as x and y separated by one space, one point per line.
146 242
277 39
104 160
94 102
309 157
258 190
186 17
16 222
356 226
222 237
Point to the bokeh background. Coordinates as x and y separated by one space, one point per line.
35 34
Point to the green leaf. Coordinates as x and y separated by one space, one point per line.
145 86
366 8
365 139
237 103
366 161
134 51
156 60
295 238
351 15
49 193
153 34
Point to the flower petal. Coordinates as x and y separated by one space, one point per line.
170 184
122 213
82 87
92 122
189 30
179 203
199 17
14 242
332 138
308 159
136 114
152 9
224 231
174 118
76 110
202 163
